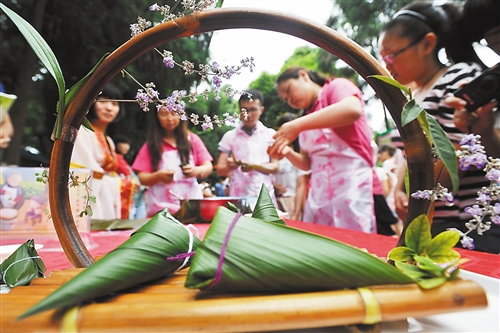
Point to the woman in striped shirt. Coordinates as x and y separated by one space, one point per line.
409 45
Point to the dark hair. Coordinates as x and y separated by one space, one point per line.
419 18
286 117
156 135
111 92
120 138
256 94
390 149
478 17
293 73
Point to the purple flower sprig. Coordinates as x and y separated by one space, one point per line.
487 207
188 7
439 193
213 74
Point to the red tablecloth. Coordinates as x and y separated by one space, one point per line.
101 242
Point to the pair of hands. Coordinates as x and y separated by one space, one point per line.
167 175
283 137
480 121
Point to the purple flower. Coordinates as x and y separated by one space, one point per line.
468 243
496 219
217 81
483 197
215 66
468 140
496 208
169 62
493 175
475 210
154 7
421 195
448 198
479 160
465 162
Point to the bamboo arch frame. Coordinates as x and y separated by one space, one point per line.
416 145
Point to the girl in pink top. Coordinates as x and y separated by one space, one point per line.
171 160
334 138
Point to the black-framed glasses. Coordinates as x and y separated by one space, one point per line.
389 58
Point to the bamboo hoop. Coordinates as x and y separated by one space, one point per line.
416 145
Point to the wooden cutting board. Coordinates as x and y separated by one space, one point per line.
167 306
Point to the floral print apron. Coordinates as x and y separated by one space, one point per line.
341 193
158 196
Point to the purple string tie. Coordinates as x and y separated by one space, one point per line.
218 274
181 256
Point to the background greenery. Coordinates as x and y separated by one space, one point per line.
81 32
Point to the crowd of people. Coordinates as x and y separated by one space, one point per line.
320 165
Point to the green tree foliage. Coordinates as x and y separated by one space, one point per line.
274 105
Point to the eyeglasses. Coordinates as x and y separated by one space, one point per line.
389 58
252 109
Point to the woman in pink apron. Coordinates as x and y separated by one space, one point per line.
334 138
170 162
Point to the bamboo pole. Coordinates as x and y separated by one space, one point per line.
168 306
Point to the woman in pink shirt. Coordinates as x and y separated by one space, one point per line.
334 138
171 160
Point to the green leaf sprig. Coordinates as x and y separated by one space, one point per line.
429 261
444 149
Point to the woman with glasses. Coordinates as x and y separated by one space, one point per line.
410 46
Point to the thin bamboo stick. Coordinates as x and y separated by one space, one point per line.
175 308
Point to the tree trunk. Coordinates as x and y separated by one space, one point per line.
23 89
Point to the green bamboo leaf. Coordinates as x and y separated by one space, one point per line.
411 271
432 282
71 92
455 274
39 46
445 150
232 207
392 82
140 259
426 264
418 235
265 209
401 253
46 56
440 249
422 119
270 257
22 266
411 111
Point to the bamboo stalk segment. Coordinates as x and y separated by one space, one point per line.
167 306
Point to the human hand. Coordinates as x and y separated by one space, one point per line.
166 175
246 168
189 170
231 163
279 189
285 135
401 203
275 155
4 141
480 121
